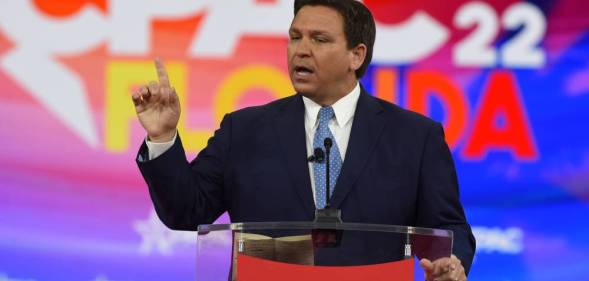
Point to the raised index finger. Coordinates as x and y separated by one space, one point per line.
162 74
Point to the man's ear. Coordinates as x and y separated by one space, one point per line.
358 55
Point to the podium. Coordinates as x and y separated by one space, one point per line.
311 251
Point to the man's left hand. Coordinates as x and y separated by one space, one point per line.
444 269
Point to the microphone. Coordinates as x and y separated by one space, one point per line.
317 156
327 143
329 237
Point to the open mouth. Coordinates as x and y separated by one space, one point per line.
303 71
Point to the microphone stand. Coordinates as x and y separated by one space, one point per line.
327 143
328 237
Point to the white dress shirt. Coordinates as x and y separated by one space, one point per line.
340 127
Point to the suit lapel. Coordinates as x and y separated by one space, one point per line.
290 129
366 130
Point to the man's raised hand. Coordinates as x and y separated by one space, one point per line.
157 107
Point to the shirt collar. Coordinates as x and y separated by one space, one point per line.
344 108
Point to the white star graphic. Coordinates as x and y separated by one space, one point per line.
154 235
55 87
32 63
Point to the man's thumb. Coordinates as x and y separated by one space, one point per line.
427 265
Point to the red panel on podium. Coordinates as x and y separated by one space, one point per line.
256 269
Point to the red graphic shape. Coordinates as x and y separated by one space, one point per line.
501 100
256 269
66 8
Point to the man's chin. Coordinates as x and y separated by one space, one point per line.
305 89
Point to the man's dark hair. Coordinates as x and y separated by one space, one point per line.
359 26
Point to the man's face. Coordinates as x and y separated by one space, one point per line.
320 65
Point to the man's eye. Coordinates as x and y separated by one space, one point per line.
294 38
320 40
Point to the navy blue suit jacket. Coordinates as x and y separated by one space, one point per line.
397 170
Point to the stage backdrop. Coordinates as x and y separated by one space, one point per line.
508 79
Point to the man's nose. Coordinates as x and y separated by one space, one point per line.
303 48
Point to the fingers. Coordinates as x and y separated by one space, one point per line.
439 267
427 265
458 274
444 269
136 98
144 93
156 92
173 97
162 74
444 266
154 88
453 275
141 96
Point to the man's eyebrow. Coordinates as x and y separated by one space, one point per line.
320 32
312 32
294 29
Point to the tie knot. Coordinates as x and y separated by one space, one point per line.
325 114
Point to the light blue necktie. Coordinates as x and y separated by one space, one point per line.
335 160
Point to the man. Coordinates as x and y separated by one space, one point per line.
389 165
